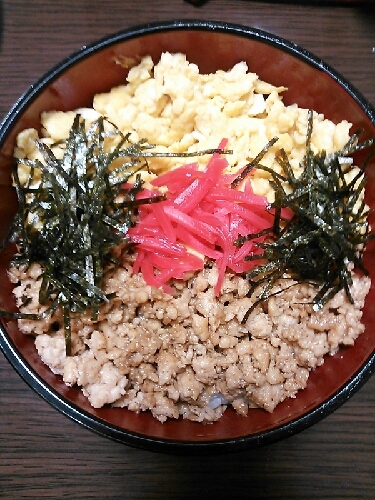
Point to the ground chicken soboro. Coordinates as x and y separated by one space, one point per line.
189 354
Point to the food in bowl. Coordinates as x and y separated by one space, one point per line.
194 343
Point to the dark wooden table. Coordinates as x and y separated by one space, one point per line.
45 455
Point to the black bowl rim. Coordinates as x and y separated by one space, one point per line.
98 425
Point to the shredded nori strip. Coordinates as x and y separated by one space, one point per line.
328 229
71 219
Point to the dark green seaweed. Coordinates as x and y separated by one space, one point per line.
71 221
327 231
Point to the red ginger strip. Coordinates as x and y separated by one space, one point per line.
201 214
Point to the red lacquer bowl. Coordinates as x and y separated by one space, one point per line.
211 45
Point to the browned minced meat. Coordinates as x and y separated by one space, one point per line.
190 354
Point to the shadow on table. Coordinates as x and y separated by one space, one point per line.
1 23
278 472
349 3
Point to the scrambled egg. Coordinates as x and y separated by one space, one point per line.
174 106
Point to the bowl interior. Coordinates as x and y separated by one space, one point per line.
73 84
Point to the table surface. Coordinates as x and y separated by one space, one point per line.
43 454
